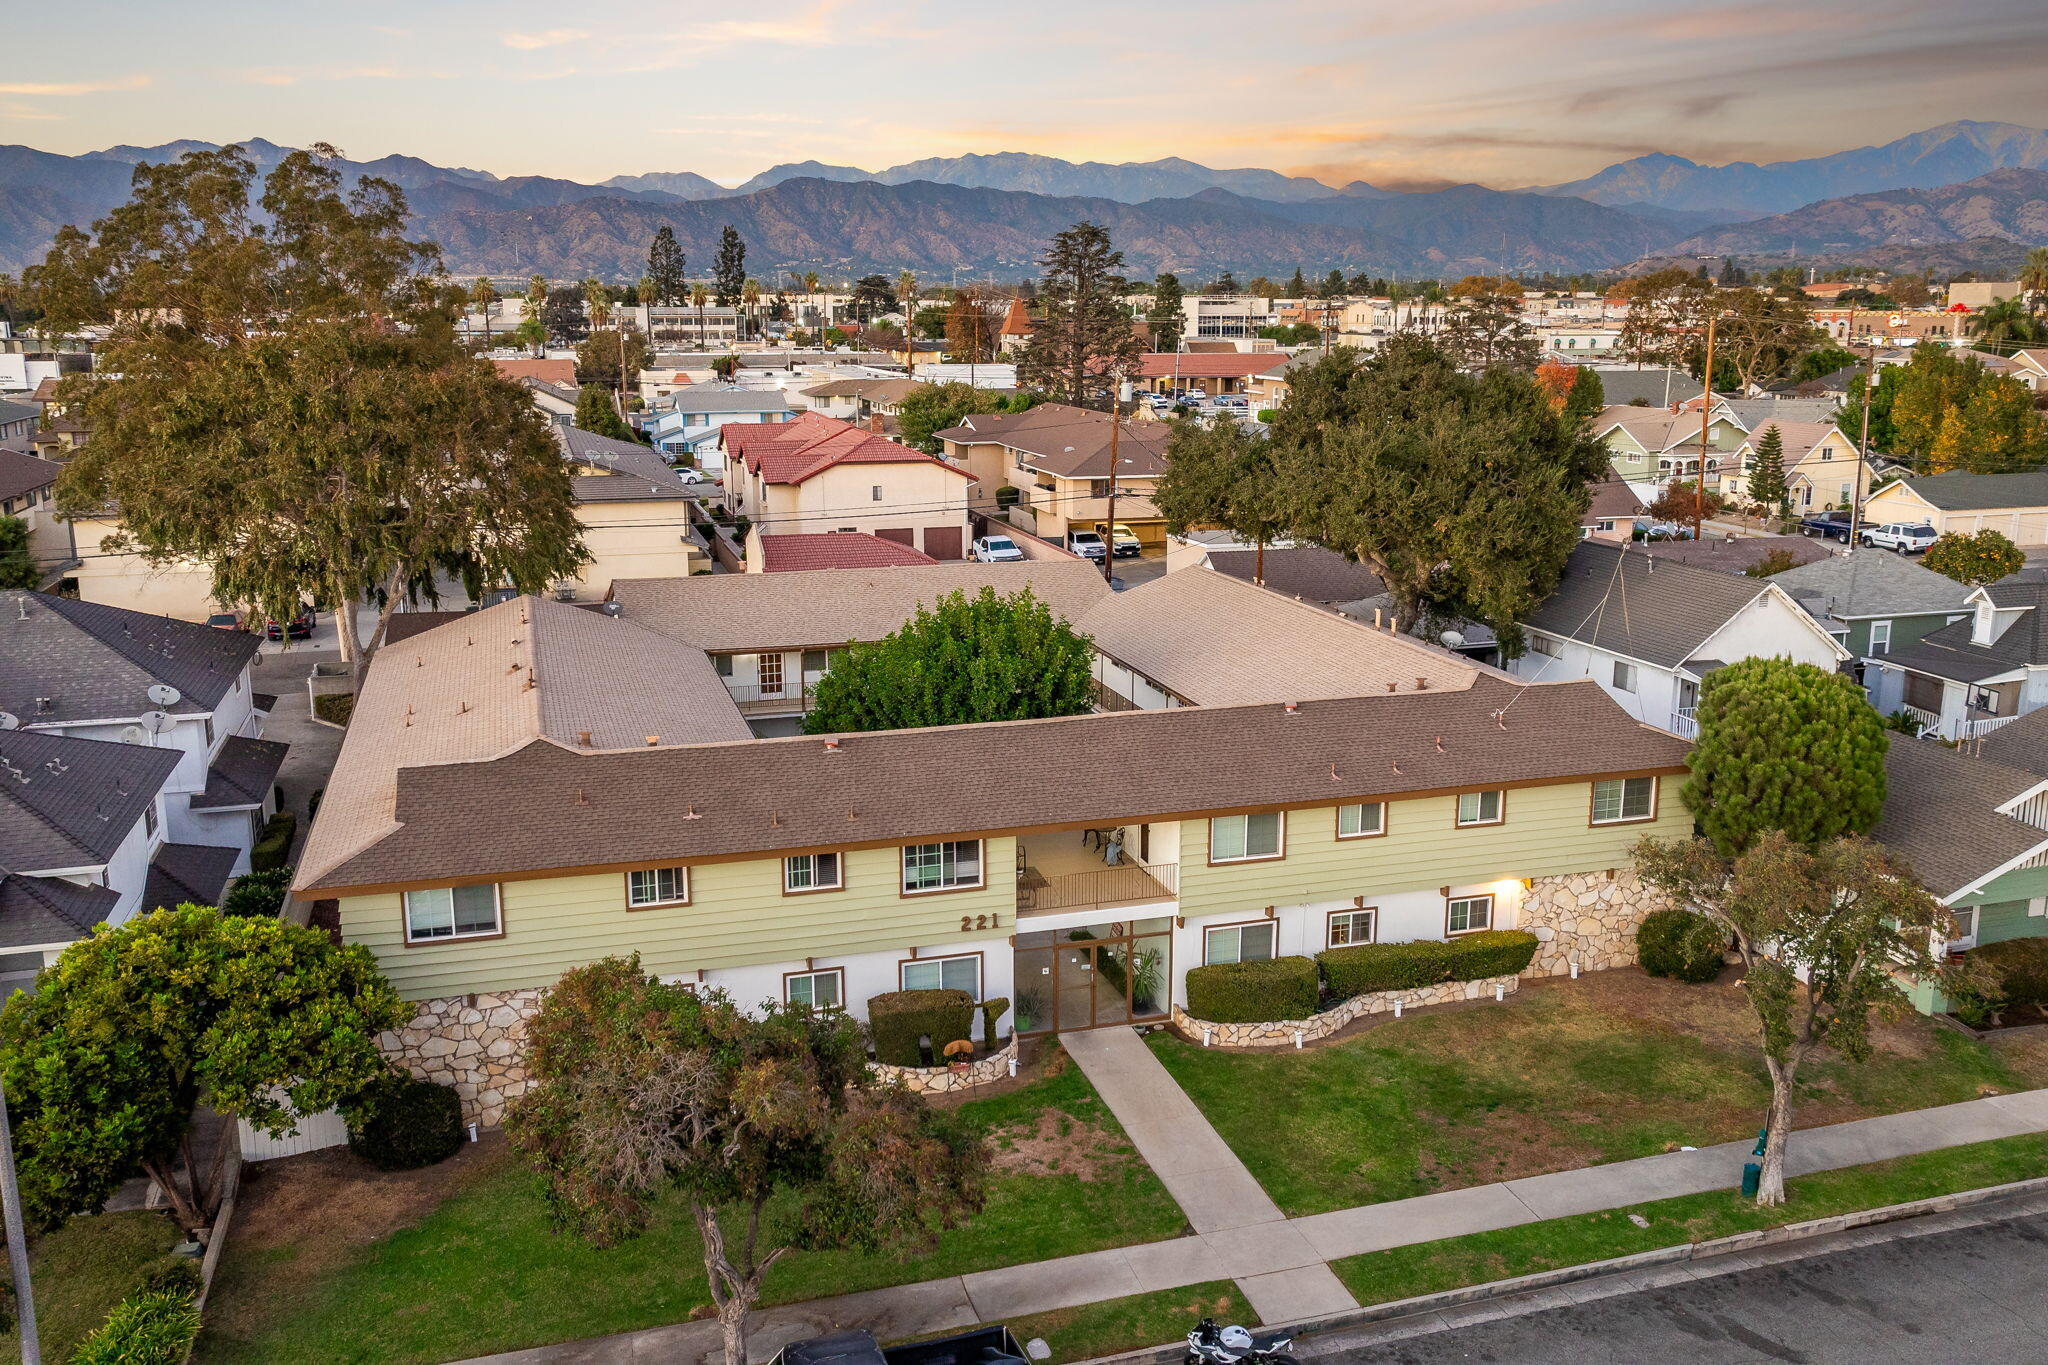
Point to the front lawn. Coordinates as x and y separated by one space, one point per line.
1431 1267
469 1265
1118 1325
1563 1074
82 1270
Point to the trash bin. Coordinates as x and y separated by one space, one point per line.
1752 1178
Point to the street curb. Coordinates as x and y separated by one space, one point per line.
1686 1251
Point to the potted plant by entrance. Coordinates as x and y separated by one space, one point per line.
957 1053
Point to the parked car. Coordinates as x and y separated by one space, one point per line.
226 620
1087 544
997 550
1124 542
1897 535
300 627
1827 525
1234 400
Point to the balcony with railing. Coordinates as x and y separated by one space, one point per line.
1685 722
1062 872
1928 721
755 700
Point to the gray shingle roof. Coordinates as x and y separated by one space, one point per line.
94 662
1625 386
11 411
1940 814
1309 572
41 910
638 472
1755 413
68 802
242 774
2021 743
1619 600
1870 583
1948 652
722 398
1736 554
1959 492
23 473
187 872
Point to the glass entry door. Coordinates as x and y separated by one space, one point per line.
1092 977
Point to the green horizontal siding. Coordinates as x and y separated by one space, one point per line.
2007 919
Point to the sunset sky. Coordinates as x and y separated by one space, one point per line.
1504 92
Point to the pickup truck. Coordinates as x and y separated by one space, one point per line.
1087 544
1901 536
1827 525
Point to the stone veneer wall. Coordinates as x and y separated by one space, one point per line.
1280 1033
1586 917
475 1043
943 1080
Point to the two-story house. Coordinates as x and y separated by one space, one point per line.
28 493
93 672
1049 470
1821 466
1974 675
815 475
1649 447
1875 602
634 512
686 422
1650 631
629 812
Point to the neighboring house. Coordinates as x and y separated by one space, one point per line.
1754 412
124 579
18 420
556 371
1821 466
1268 388
1056 458
94 672
1652 388
1613 511
634 511
557 402
1649 633
1974 675
28 492
1016 329
1649 447
827 550
1873 602
857 400
817 474
1735 554
85 831
2015 505
1214 373
628 812
695 412
1975 829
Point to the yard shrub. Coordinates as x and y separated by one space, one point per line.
275 843
1253 992
1492 952
261 894
2022 968
992 1012
1680 945
1425 962
335 707
401 1124
897 1019
171 1275
144 1329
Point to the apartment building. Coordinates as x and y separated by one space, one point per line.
1049 471
816 475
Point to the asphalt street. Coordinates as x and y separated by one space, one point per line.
1972 1295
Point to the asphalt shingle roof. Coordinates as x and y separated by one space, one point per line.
22 473
1948 652
1940 814
835 550
1068 442
1736 555
95 662
181 873
1617 599
68 802
1870 583
242 774
1961 492
1309 572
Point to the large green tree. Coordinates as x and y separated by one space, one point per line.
1483 326
771 1127
1767 487
729 269
1082 340
1167 314
1788 747
962 661
1219 475
287 402
613 356
1667 314
665 282
134 1027
1975 557
1948 412
18 567
596 412
1760 337
933 408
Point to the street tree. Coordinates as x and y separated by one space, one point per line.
1824 931
1787 747
1760 336
2006 326
972 324
1082 339
1767 486
1167 314
483 296
1667 317
1483 326
750 301
963 661
906 292
933 408
1222 476
134 1027
597 304
1975 557
772 1128
2033 278
729 269
287 403
871 296
565 315
665 269
613 356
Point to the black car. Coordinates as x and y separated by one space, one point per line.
300 627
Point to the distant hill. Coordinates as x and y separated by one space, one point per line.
2005 205
1945 155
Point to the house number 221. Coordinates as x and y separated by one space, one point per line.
969 923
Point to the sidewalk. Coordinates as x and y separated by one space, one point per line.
1250 1252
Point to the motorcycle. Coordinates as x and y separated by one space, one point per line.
1209 1344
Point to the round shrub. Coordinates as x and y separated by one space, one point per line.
400 1124
1680 945
144 1329
2021 965
1253 992
898 1019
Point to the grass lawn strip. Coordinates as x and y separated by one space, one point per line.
482 1272
1118 1325
1565 1074
82 1270
1482 1257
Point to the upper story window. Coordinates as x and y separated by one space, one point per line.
1241 838
1362 821
1623 799
1480 808
941 867
453 912
1548 645
875 493
811 872
1624 676
149 819
652 886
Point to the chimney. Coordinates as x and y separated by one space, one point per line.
583 738
653 740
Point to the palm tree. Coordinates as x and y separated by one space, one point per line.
699 296
598 303
483 294
750 298
2034 279
2007 326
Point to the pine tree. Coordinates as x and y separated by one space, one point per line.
1587 398
1082 336
729 271
1767 480
1333 284
595 413
665 267
1297 288
1167 313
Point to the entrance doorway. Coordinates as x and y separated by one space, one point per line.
1093 977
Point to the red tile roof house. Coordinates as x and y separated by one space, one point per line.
827 550
1165 371
550 371
816 475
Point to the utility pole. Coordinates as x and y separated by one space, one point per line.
17 1244
1116 421
1699 480
1862 442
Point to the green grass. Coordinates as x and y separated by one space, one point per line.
82 1270
1103 1329
1554 1079
1431 1267
483 1273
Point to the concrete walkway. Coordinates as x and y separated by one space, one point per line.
1253 1252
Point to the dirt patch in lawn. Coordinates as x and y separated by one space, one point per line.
1056 1143
2024 1050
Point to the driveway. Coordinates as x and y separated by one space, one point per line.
314 745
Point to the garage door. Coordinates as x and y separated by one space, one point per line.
942 542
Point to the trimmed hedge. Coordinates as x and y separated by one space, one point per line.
992 1012
1367 967
1253 992
2022 967
275 843
1680 945
144 1329
258 894
401 1124
899 1018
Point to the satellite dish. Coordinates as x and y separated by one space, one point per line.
155 722
135 734
163 694
1452 638
9 721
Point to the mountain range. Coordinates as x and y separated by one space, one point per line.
1964 189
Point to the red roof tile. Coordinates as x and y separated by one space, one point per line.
1233 365
552 371
835 550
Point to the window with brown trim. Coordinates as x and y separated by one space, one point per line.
648 887
1480 808
1256 942
941 867
811 872
1348 927
1365 820
1243 838
824 989
1468 914
961 973
1624 800
449 912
